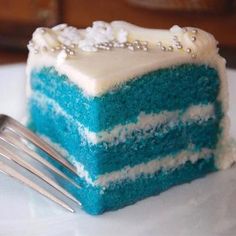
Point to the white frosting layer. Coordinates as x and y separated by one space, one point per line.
145 123
169 162
97 72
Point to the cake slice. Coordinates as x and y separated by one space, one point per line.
136 110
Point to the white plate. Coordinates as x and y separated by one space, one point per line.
206 207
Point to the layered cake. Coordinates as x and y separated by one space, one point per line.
136 110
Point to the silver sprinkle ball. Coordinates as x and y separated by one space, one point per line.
193 38
163 48
170 48
188 50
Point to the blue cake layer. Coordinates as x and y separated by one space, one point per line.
96 200
102 158
165 89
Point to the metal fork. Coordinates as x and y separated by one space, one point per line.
16 139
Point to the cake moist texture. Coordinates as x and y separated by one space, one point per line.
136 110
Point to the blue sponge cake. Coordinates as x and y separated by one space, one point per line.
136 110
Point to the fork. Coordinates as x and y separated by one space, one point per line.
17 140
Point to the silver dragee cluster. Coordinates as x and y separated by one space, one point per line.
67 40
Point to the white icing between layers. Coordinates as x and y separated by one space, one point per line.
167 163
145 123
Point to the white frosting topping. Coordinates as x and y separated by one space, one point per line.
101 32
105 55
199 41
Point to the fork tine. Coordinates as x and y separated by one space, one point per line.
12 139
13 157
20 130
14 174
